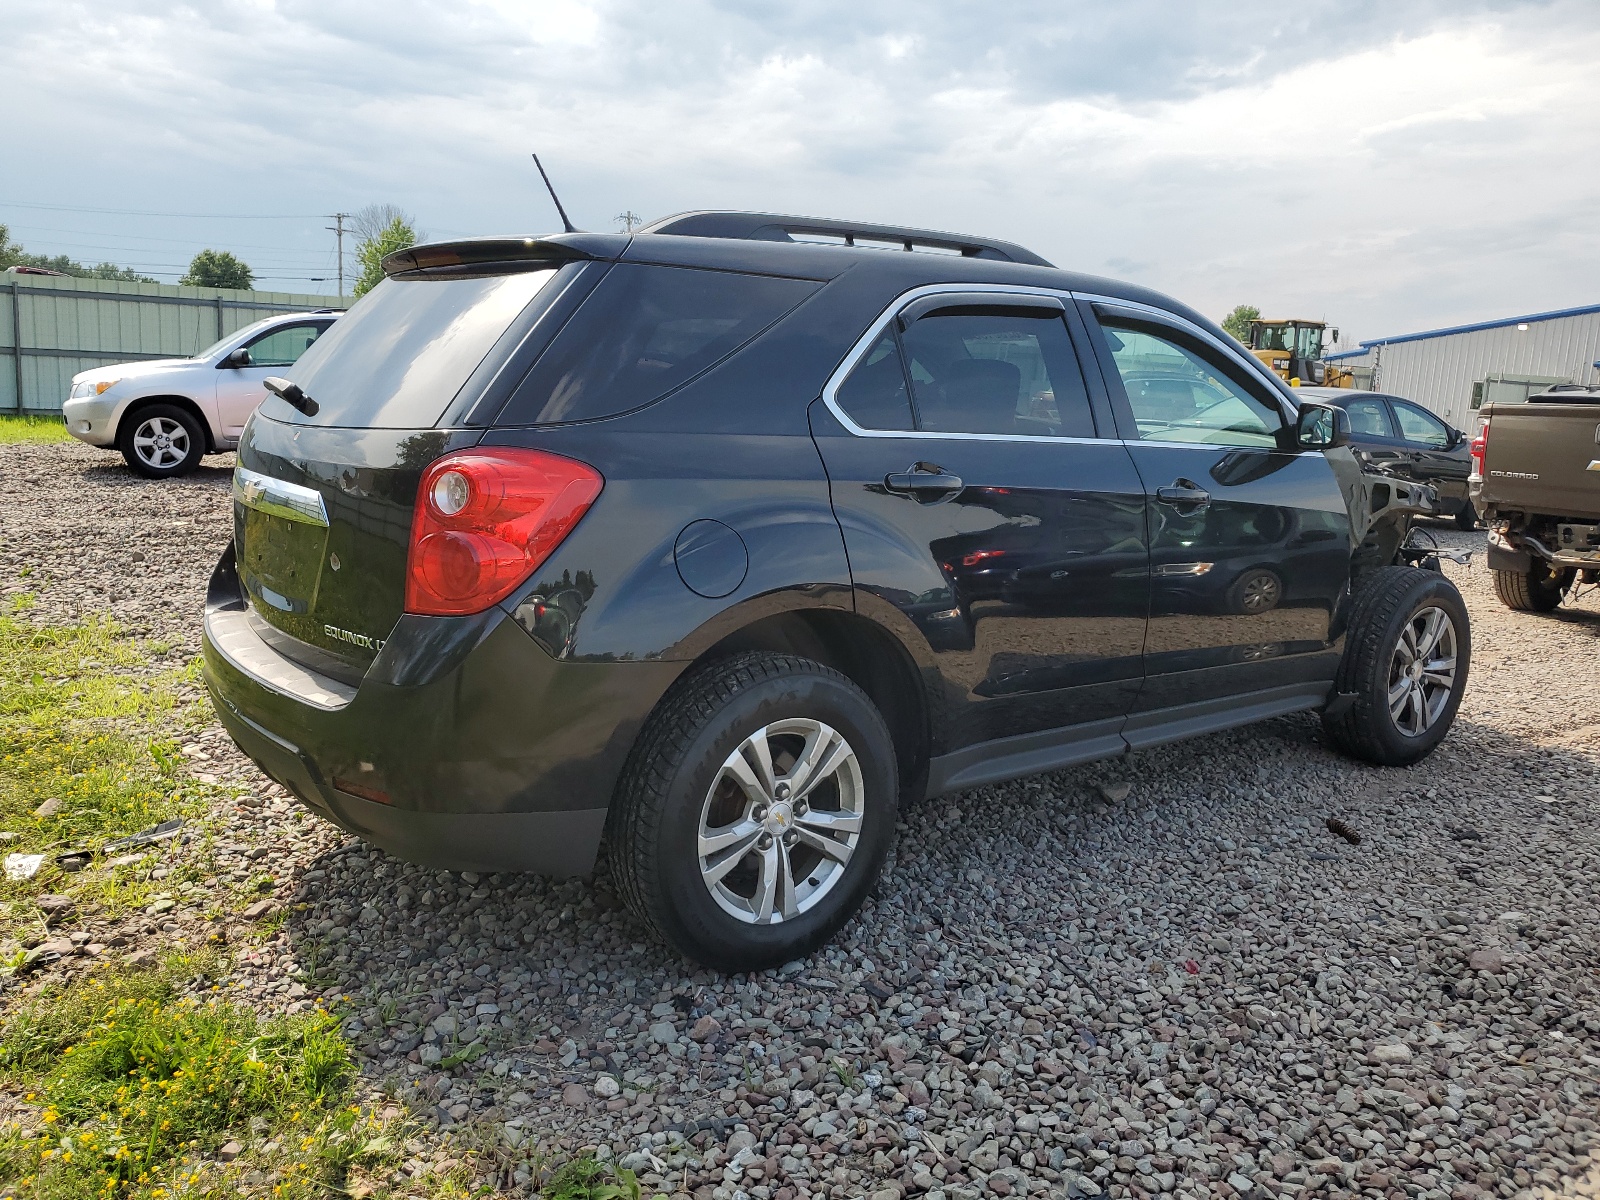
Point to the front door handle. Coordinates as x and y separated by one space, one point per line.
1184 494
924 482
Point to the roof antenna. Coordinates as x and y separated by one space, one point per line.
553 196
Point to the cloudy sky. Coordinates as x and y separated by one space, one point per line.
1390 166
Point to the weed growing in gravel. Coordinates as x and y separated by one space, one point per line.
15 429
587 1178
131 1089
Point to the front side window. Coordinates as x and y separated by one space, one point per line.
998 372
1369 417
1178 394
283 347
1419 425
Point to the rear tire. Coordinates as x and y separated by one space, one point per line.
1467 516
1538 589
161 441
722 853
1406 657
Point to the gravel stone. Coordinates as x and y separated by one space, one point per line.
1490 960
1191 989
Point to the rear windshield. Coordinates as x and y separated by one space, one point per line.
645 331
401 354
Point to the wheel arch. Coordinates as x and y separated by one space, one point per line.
870 656
138 405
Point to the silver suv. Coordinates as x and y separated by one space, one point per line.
165 413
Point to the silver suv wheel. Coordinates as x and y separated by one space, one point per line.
1422 671
780 821
160 442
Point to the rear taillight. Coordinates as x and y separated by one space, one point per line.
1479 448
485 520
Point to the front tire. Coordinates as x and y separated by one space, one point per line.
1257 591
1538 589
755 811
161 441
1467 516
1407 653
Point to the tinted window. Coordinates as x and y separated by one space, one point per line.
1419 425
282 347
874 396
1179 395
1370 417
401 354
645 331
997 372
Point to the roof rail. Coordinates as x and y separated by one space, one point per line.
772 227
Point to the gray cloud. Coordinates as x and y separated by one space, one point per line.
1387 165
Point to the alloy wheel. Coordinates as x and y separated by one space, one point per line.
1422 671
161 442
781 821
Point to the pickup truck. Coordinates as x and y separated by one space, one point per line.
1536 482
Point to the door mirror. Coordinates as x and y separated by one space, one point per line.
1321 427
237 358
1453 439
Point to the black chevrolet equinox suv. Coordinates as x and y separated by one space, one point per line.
716 542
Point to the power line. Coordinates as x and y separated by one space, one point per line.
138 212
140 237
281 260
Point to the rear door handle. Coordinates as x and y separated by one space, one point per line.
924 482
1184 493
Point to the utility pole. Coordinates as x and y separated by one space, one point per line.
337 229
628 219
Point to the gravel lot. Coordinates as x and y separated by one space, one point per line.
1161 974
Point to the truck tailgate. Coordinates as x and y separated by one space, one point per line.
1543 458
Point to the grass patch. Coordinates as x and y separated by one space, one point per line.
33 429
88 735
131 1089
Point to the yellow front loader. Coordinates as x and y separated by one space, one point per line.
1292 349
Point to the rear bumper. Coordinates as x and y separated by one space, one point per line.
1516 552
492 755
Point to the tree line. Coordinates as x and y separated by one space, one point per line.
380 229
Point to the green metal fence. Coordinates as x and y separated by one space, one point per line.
53 327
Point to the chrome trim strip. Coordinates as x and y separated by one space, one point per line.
279 498
868 339
231 634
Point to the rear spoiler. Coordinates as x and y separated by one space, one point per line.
473 254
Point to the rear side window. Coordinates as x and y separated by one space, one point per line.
1001 372
400 355
645 331
874 396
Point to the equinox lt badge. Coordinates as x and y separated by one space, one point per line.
354 638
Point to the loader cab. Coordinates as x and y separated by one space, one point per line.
1292 350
